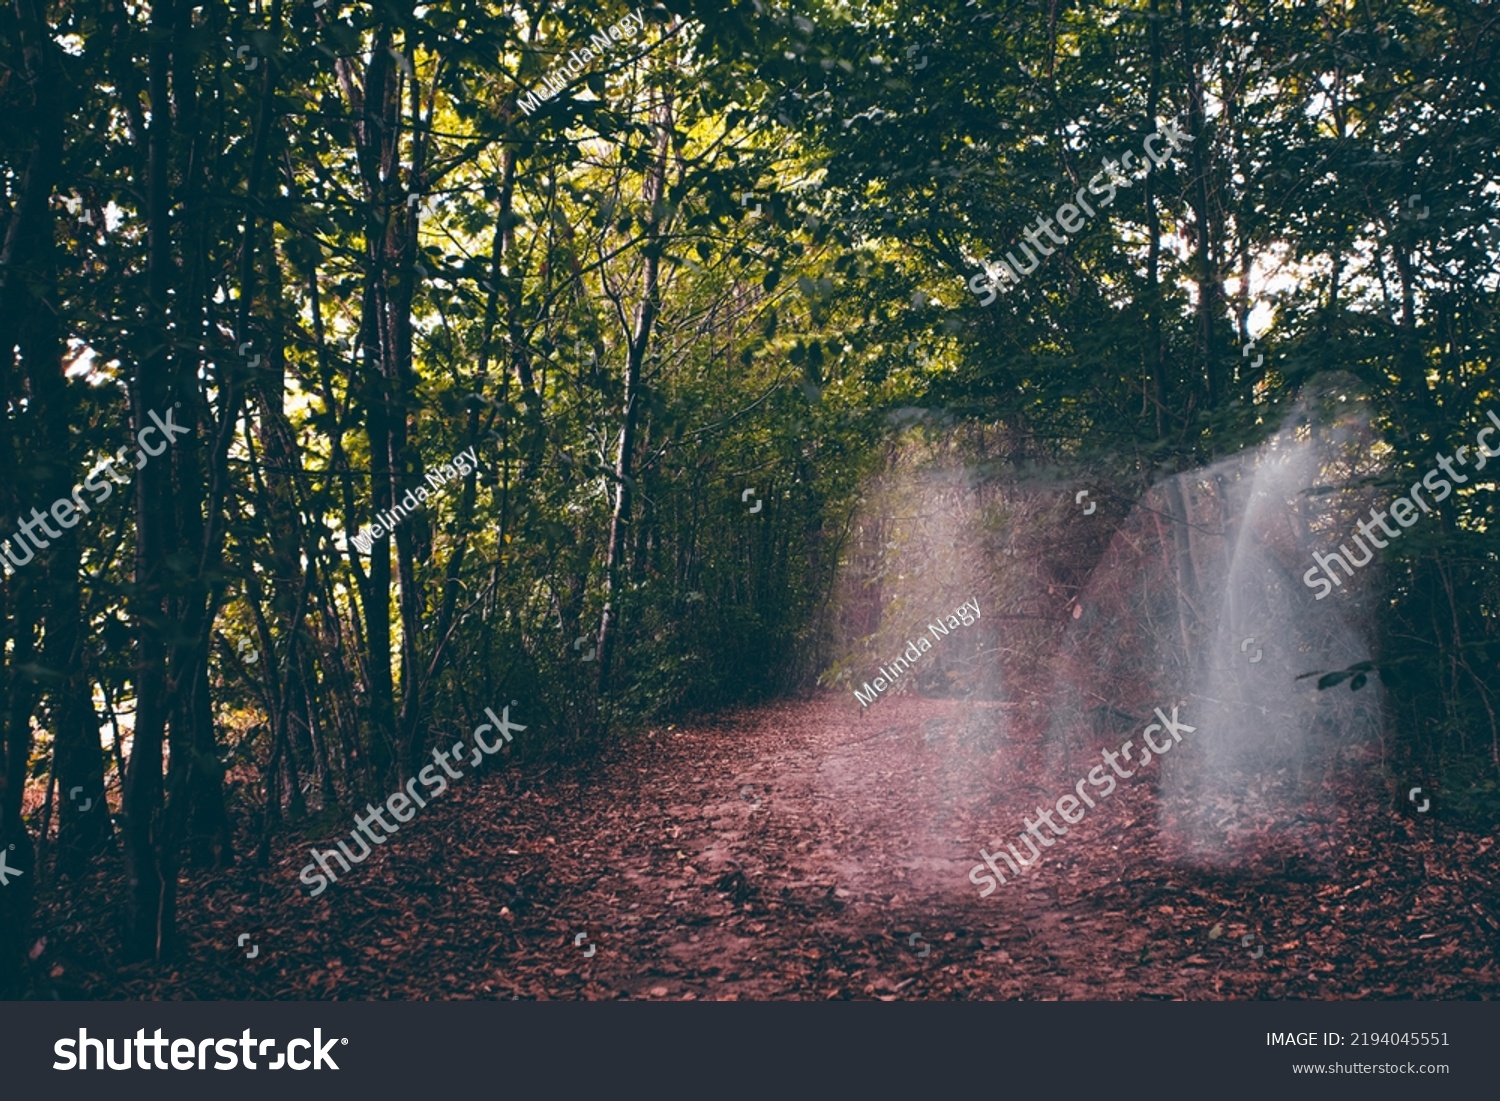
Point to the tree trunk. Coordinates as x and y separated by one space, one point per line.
654 193
150 865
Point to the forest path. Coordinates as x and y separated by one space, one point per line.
794 850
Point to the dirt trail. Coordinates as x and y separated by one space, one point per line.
795 851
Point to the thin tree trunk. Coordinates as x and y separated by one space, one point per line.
150 868
25 260
653 192
1209 291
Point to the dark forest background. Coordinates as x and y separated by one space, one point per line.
731 256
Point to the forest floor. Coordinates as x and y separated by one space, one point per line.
807 850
